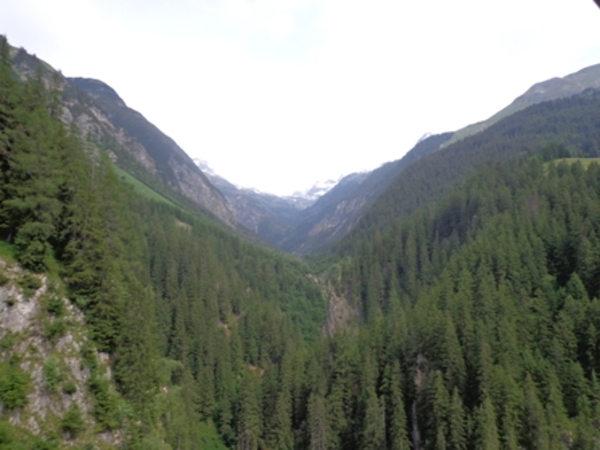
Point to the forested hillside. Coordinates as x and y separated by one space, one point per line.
480 319
131 142
334 214
573 123
545 91
192 317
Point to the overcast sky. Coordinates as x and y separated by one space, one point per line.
276 94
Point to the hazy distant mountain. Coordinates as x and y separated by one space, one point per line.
321 214
300 223
317 190
267 215
546 90
564 127
162 154
335 213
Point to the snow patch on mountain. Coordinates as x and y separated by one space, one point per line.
425 136
316 190
204 167
301 198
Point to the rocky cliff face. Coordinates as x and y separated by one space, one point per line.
133 143
42 341
270 217
138 139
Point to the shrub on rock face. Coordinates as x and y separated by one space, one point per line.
3 278
72 422
14 383
56 306
69 388
30 284
54 330
51 373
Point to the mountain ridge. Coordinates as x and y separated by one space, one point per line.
551 89
169 161
294 224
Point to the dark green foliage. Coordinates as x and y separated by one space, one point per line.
55 306
106 402
373 436
317 423
11 439
72 422
14 384
8 341
29 283
52 373
500 339
69 388
55 329
486 432
3 278
88 356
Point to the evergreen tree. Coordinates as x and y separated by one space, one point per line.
486 432
373 435
317 423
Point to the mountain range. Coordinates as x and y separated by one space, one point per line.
448 299
298 224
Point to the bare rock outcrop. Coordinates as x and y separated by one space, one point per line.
48 347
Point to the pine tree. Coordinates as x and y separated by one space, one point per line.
249 426
373 434
535 425
395 414
317 423
452 360
457 427
486 431
436 413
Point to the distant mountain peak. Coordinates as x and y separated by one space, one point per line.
204 167
551 89
318 189
300 198
321 188
96 88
